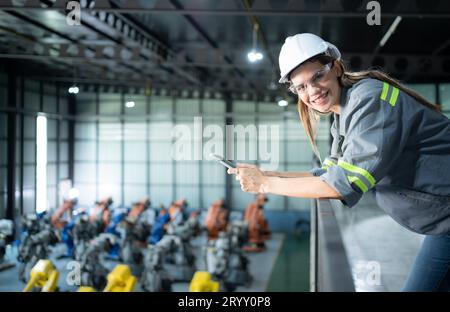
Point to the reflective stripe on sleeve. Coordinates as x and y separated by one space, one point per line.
327 164
359 170
358 183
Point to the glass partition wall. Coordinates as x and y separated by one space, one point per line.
159 147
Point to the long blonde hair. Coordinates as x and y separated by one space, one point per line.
310 118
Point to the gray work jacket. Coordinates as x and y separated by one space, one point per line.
387 142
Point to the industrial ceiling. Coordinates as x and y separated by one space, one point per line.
203 45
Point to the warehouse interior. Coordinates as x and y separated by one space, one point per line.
118 116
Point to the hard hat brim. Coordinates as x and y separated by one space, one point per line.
284 79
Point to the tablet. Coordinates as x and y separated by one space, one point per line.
223 161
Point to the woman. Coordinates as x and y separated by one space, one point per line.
386 138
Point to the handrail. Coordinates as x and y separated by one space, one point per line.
331 268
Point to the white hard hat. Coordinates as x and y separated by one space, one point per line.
301 47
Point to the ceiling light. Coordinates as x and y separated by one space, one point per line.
283 103
74 90
130 104
254 56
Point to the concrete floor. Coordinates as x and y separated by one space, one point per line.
261 266
291 271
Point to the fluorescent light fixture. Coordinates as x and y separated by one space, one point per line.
254 56
283 103
74 90
41 164
130 104
390 31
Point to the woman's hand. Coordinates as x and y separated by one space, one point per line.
252 179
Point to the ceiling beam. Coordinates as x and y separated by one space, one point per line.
88 24
211 42
294 13
414 61
41 26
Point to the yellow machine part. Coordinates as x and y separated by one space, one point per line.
86 289
120 279
202 282
43 275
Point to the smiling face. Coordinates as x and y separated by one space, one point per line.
321 87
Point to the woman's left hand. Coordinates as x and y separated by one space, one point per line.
252 179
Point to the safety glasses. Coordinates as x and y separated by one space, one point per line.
314 80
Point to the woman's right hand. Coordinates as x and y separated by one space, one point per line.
241 165
251 178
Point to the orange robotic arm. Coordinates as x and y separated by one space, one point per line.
56 219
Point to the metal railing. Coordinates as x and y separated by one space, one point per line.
330 268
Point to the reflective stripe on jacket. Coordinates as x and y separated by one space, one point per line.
386 141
